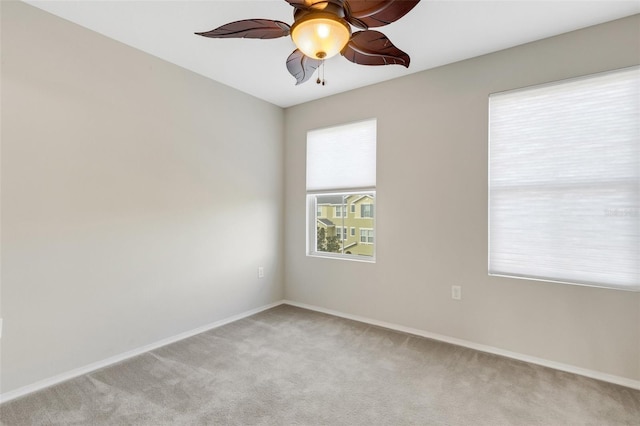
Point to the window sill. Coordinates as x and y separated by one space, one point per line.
352 258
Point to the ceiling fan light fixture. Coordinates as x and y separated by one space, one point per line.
322 29
320 35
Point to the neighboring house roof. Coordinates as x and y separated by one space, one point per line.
350 245
329 199
338 200
326 222
361 197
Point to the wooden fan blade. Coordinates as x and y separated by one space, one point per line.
314 4
373 48
250 28
301 67
371 13
300 4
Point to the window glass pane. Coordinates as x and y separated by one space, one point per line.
345 234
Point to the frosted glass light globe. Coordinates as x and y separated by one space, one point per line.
320 35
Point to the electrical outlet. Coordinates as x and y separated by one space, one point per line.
260 272
456 292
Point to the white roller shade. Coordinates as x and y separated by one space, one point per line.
342 157
564 181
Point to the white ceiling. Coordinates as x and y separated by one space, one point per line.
434 33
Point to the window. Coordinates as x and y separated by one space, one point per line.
366 236
319 211
564 181
366 210
341 170
341 232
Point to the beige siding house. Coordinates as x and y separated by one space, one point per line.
350 218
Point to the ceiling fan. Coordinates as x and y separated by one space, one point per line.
322 29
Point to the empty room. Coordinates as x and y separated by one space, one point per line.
320 212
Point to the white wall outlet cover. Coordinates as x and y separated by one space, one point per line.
260 272
456 292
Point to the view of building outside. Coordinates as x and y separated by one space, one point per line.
345 224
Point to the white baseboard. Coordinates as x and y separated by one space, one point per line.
8 396
623 381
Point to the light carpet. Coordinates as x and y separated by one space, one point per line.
291 366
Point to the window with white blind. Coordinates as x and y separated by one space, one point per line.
564 181
341 172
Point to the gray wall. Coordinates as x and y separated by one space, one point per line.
137 200
432 212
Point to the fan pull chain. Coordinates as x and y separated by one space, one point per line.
321 72
323 69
